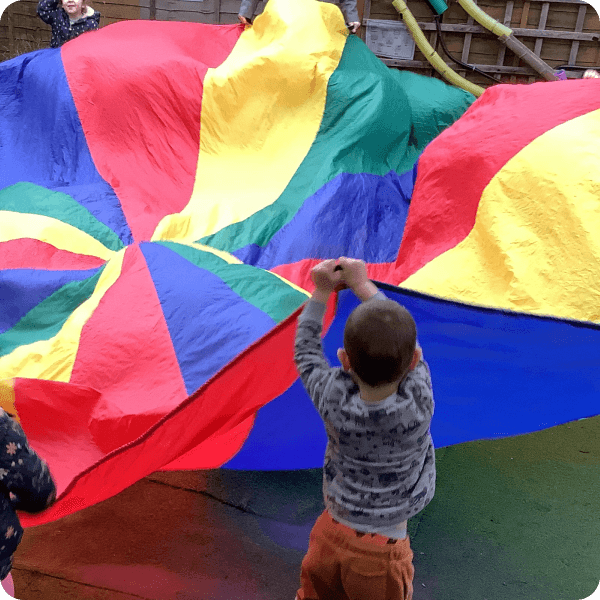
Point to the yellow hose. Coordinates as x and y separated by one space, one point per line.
484 19
431 55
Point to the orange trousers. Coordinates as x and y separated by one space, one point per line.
341 565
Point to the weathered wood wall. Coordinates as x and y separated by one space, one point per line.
22 31
566 18
223 12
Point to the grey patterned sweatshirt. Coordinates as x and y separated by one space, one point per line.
379 467
24 475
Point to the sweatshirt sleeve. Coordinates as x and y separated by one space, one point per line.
349 10
248 8
310 360
46 10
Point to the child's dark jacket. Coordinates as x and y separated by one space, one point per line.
24 474
63 30
379 465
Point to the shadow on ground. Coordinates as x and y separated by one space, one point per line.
512 519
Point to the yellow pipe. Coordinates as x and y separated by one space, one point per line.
431 55
484 19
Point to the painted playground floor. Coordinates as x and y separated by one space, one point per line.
512 519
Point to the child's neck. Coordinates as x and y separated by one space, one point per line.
377 394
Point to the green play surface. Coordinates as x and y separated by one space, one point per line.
516 518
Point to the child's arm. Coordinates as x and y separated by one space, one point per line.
247 9
308 349
22 472
46 10
350 11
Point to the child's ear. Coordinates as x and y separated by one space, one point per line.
343 358
415 359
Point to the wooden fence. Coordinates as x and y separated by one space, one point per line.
561 32
21 30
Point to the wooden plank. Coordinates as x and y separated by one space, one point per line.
20 8
229 19
557 35
542 25
433 41
416 64
537 49
464 57
518 32
123 12
580 2
506 22
101 6
525 14
232 7
205 7
11 37
366 13
362 32
183 6
578 27
186 16
217 12
522 24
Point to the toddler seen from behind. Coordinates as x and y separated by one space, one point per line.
379 467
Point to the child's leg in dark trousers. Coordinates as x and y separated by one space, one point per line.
341 566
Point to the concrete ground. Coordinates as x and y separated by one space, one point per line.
512 519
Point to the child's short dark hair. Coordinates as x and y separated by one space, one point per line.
380 338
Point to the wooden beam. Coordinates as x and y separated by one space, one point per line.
517 31
541 27
507 21
537 49
423 64
11 35
578 28
433 42
557 35
365 17
464 57
562 1
522 25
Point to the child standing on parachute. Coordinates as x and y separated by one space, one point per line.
379 467
348 7
25 484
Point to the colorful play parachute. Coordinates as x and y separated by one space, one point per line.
165 189
500 265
